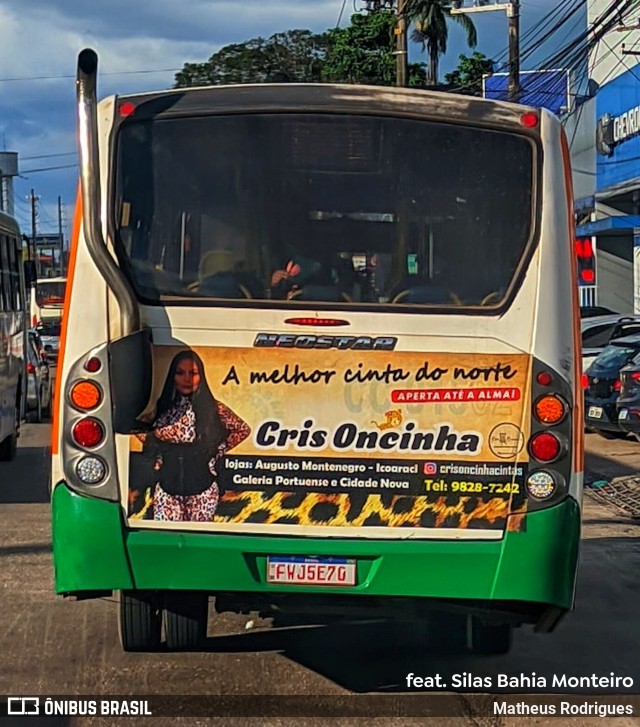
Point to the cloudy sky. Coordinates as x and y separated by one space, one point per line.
141 44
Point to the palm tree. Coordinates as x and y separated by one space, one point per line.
431 30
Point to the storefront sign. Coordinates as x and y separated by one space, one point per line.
614 130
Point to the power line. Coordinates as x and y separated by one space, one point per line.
47 169
112 73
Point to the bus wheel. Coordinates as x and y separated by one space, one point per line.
139 621
186 614
9 446
488 638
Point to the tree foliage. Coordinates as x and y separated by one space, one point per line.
431 19
363 52
290 56
467 77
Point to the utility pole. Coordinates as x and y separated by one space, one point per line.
514 51
401 44
34 215
60 237
512 9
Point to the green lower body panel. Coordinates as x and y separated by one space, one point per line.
93 550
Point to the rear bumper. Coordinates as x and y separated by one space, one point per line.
93 551
608 419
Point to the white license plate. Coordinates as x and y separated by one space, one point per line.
624 413
595 412
311 571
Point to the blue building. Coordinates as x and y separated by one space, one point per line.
614 209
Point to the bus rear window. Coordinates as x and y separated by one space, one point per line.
50 293
332 208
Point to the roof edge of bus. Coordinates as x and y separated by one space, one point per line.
356 89
8 222
356 93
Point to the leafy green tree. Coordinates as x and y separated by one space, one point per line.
467 77
364 52
290 56
431 19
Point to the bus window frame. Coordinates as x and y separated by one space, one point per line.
144 112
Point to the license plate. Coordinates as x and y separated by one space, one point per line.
311 571
624 413
595 412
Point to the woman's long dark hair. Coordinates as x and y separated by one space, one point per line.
210 431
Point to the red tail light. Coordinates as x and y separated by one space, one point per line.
88 432
31 369
585 381
544 446
635 375
617 385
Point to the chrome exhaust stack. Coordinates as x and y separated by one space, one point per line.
90 187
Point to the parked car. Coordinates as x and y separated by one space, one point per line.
628 403
602 385
49 332
38 381
588 311
598 331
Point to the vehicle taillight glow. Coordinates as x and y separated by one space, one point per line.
617 385
93 365
316 322
544 446
529 120
544 378
126 109
31 369
585 381
549 409
88 432
85 395
636 375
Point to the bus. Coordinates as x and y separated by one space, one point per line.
13 331
320 354
47 297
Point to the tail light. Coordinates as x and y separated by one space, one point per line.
617 385
550 409
545 447
585 381
31 369
85 395
635 375
88 432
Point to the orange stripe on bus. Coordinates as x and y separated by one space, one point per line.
73 252
578 415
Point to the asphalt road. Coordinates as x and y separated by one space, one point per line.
51 646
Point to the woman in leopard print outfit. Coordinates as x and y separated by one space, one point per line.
191 433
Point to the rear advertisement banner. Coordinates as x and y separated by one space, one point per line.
346 438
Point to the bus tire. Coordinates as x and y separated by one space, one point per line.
9 446
186 614
489 638
139 621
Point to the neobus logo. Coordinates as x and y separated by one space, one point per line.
357 343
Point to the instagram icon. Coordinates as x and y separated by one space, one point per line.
430 468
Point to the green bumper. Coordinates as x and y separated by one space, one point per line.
94 551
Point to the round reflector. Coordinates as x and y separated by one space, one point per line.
93 365
127 109
541 485
529 120
544 446
85 395
91 470
88 432
549 409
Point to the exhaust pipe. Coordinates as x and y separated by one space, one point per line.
90 187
